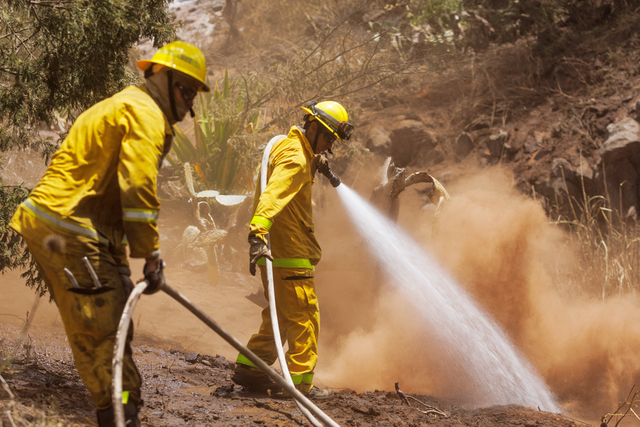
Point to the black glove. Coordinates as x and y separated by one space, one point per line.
127 284
155 279
257 250
319 161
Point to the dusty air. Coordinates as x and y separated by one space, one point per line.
327 213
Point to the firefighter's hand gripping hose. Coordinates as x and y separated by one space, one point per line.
325 169
257 250
121 338
155 278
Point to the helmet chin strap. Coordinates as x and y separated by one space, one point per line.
315 140
172 100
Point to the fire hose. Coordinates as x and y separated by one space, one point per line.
121 338
271 290
308 409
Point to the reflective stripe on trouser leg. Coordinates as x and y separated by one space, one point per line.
243 360
304 378
299 320
90 321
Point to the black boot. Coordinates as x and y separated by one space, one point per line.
253 379
106 417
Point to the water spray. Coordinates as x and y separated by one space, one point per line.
474 344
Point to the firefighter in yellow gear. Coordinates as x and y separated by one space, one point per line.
98 194
284 213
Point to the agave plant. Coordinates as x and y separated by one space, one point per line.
223 150
219 157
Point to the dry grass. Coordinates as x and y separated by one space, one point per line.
499 83
607 247
21 357
317 50
629 405
16 414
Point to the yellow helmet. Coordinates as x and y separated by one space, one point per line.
332 115
180 56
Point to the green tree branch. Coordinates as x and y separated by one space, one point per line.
62 55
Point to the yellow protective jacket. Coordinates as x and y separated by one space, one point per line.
284 209
102 180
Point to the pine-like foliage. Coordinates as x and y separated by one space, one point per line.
62 56
13 254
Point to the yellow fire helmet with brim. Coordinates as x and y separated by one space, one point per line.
332 115
183 57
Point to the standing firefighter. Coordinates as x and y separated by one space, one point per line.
283 211
98 193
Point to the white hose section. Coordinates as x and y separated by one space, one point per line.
304 404
118 353
270 288
121 335
301 399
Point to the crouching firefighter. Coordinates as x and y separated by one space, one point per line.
98 194
284 212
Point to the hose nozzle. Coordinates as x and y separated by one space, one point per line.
325 170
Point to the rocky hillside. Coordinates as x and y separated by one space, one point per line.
548 90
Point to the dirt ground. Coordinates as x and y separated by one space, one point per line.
191 388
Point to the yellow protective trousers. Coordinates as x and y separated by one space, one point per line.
90 319
299 321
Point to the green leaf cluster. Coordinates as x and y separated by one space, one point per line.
68 55
224 151
13 254
428 9
60 57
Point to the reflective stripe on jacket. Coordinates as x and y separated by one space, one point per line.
284 210
103 177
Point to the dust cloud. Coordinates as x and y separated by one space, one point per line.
498 244
503 249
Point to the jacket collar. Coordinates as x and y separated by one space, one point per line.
168 129
298 132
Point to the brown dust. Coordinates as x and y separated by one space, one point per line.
515 262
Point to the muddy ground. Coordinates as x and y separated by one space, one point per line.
189 388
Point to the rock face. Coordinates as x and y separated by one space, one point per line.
379 141
412 143
569 182
619 167
623 141
496 142
616 176
463 145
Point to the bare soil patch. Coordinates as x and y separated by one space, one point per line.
188 388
